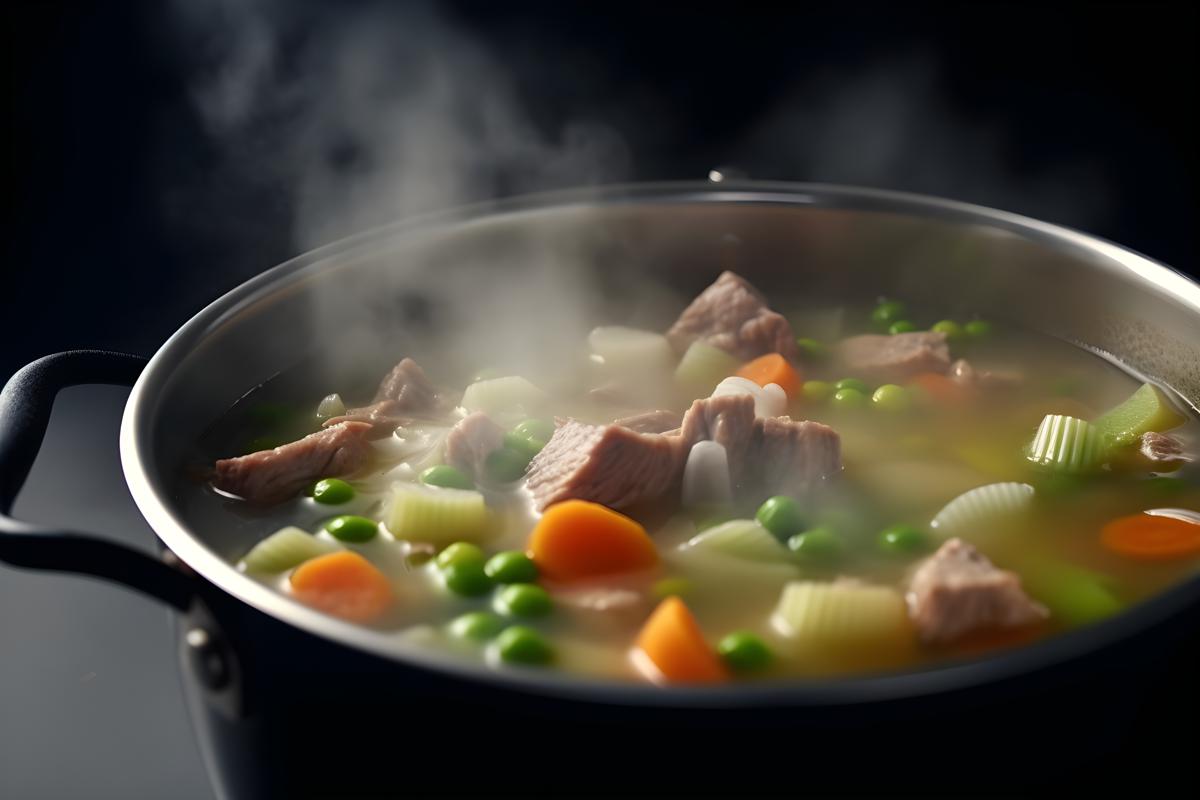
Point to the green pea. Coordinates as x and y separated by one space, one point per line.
812 349
903 540
887 312
350 528
818 391
478 626
467 579
460 553
506 465
818 545
901 326
853 383
524 600
891 397
744 652
446 477
978 329
526 447
849 399
672 587
332 491
538 429
781 516
511 566
949 327
522 645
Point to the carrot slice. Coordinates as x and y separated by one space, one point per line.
577 539
942 390
343 584
772 368
672 641
1152 537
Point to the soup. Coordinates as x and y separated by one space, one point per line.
763 490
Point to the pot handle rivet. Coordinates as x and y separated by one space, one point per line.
209 661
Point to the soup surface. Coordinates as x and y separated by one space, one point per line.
764 490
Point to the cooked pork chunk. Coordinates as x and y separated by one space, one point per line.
793 457
1159 451
383 417
271 476
732 315
605 464
957 590
895 358
470 441
728 421
404 395
658 421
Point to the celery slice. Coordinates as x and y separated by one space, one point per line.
286 548
1073 595
983 507
1146 410
1065 444
824 618
703 367
740 538
436 515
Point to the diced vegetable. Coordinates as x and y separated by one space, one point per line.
887 312
706 477
1074 596
817 546
331 406
447 477
1146 410
674 646
332 491
769 400
466 578
772 368
439 516
978 329
577 539
812 350
508 394
1161 534
849 399
538 430
703 367
524 600
506 465
1065 444
351 528
631 350
818 391
891 398
284 549
781 516
522 645
478 626
903 540
857 385
901 326
983 507
460 553
740 538
940 390
952 329
744 651
343 584
511 566
526 446
840 617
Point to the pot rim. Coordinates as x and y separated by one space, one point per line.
135 443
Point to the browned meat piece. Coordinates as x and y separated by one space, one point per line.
727 420
793 457
964 373
650 422
732 315
383 417
1159 452
605 464
470 441
271 476
408 386
957 590
895 358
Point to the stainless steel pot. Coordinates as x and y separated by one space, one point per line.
390 284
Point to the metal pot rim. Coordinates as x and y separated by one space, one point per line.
135 440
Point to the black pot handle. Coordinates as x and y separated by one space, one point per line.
25 405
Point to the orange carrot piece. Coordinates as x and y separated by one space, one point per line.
672 641
343 584
1151 537
773 368
943 391
577 539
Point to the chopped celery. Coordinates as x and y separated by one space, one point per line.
840 616
286 548
703 367
1146 410
632 351
436 515
740 538
1073 595
982 507
511 393
1065 444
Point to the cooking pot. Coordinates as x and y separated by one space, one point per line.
288 701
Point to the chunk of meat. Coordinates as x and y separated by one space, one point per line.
957 590
383 417
408 386
793 457
729 421
271 476
658 421
1160 452
895 358
733 315
470 441
606 464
